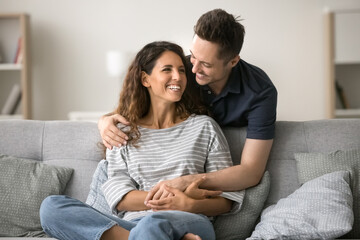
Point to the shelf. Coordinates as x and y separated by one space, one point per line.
347 62
14 38
347 113
10 66
16 116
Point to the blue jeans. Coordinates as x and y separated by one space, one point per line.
66 218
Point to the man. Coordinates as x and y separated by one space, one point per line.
237 94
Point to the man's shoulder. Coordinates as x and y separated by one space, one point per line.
254 77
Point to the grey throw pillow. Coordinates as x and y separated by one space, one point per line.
312 165
240 225
319 209
24 184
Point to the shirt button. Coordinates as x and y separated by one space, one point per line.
209 92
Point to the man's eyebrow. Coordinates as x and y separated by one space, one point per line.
202 62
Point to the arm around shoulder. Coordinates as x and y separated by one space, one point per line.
110 134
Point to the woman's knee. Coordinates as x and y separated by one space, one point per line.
49 206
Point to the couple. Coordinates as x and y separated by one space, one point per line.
167 140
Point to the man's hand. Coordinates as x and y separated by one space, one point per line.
195 192
110 134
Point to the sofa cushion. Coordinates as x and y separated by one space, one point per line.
240 226
319 209
23 186
312 165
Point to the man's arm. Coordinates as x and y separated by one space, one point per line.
110 134
249 173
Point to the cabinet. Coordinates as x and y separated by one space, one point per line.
15 71
343 41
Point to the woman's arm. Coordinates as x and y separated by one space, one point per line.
133 201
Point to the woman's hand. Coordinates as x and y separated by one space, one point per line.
159 191
110 134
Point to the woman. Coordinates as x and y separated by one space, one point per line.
167 141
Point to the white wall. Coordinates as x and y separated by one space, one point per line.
70 40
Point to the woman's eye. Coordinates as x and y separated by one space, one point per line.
166 69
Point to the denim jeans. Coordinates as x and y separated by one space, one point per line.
66 218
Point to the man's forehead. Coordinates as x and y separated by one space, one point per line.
204 50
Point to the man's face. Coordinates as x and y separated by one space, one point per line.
209 69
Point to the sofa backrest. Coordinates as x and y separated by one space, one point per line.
76 145
63 143
295 137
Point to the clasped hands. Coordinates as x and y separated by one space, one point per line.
176 195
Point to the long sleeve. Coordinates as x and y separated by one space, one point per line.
119 182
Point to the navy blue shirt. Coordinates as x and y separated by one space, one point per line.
249 98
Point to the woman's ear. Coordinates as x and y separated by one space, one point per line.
145 79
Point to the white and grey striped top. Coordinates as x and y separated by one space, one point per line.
196 145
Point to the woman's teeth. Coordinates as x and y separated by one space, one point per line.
174 87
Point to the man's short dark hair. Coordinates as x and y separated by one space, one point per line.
220 27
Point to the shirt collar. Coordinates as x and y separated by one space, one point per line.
233 84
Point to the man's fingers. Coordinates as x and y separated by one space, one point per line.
116 134
121 119
197 182
209 193
107 145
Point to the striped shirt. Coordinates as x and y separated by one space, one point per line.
196 145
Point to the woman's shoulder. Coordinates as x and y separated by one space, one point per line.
203 120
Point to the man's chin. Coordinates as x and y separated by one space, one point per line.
202 81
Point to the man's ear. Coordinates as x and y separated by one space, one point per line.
235 60
145 79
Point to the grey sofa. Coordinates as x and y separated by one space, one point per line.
76 145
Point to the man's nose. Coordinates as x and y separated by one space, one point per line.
195 67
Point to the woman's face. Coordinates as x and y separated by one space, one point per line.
167 81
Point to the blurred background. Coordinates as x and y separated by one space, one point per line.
80 48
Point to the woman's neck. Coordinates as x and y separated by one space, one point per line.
160 117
